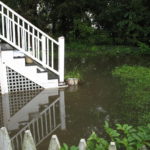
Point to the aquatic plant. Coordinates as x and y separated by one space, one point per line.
136 92
75 73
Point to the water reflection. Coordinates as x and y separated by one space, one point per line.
43 112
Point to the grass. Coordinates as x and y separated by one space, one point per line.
136 94
77 49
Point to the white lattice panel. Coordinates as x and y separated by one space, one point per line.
18 99
17 82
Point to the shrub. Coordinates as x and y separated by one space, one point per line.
125 136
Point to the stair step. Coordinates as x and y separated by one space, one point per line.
18 54
23 123
20 62
33 115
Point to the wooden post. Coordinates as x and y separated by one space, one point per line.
112 146
61 55
5 143
54 143
28 142
82 144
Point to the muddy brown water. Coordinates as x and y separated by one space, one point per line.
71 113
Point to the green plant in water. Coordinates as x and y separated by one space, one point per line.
75 73
135 95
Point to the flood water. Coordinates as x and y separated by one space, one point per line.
71 113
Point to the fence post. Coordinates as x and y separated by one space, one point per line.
5 142
82 144
112 146
28 142
43 49
61 59
54 143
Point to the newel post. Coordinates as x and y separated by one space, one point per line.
61 56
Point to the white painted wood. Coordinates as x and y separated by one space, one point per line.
3 78
44 49
5 143
54 143
25 37
112 146
28 142
61 54
82 144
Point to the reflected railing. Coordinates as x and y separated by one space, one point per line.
40 123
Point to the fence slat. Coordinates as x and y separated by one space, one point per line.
82 144
112 146
54 143
5 143
28 142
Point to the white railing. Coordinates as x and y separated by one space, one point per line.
30 40
40 127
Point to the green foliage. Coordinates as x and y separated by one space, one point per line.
96 143
136 81
66 147
132 138
82 30
143 48
78 49
125 136
75 73
101 37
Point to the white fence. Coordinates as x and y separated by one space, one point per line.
29 144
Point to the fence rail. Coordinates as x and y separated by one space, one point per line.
29 144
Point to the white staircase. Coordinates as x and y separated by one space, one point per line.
40 115
30 42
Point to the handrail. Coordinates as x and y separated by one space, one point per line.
32 41
38 133
1 3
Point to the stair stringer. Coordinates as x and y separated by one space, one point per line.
44 84
32 106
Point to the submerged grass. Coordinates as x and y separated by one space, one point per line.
136 94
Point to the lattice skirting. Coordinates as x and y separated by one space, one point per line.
18 99
17 82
